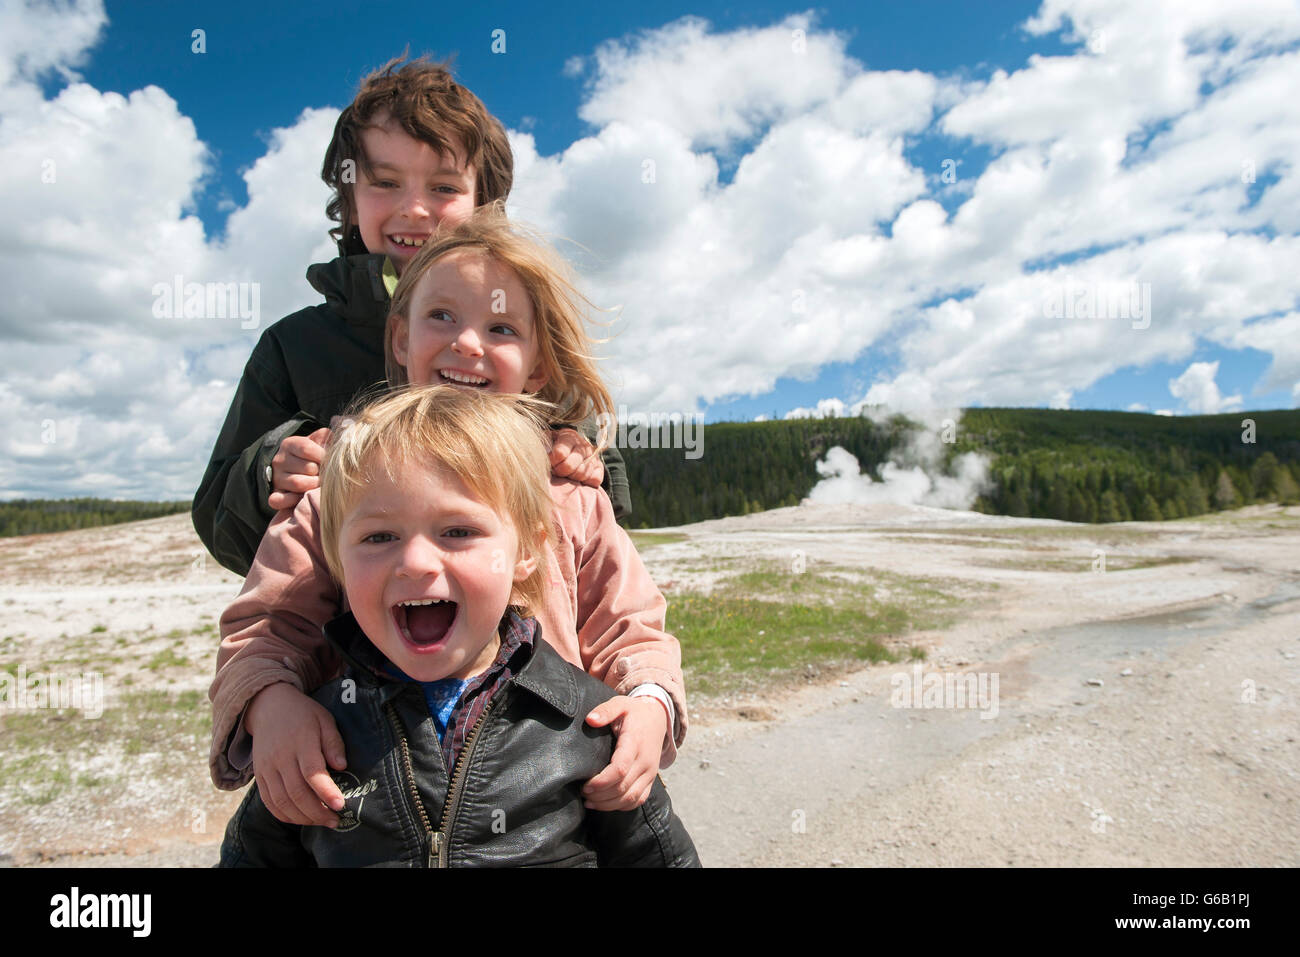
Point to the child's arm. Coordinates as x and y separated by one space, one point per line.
295 469
614 478
642 729
292 735
230 510
622 642
271 634
616 484
572 457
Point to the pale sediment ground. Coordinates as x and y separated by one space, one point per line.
1182 750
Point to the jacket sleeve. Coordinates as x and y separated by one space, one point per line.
615 481
254 838
230 511
272 632
648 836
620 614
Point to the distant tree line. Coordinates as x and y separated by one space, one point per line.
34 516
1121 466
746 467
1080 466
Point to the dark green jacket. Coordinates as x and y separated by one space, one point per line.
305 370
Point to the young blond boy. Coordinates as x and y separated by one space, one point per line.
464 731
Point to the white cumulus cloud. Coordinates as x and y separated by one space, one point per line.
750 200
1198 391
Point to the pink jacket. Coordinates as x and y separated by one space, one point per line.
603 614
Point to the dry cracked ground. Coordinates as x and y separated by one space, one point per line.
1133 689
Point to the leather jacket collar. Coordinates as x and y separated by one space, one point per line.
547 677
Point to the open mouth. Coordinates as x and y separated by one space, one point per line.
424 622
463 378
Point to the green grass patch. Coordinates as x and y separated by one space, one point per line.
923 539
1083 563
768 625
1283 520
167 658
1087 532
41 748
650 539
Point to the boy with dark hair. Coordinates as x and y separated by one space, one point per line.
413 149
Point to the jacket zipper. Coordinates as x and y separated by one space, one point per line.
438 838
450 806
434 848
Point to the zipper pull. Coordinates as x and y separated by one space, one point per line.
435 845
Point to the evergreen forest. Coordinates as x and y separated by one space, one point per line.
1080 466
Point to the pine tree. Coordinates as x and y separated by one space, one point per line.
1108 511
1263 475
1285 489
1058 505
1225 493
1148 510
1192 499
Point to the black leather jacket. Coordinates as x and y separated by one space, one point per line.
514 797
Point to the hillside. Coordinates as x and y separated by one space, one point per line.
1080 466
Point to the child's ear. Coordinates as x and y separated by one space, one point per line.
399 330
526 565
538 379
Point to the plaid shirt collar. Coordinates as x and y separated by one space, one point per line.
517 635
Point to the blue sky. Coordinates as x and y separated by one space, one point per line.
266 62
1093 142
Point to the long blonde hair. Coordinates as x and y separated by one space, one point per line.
573 385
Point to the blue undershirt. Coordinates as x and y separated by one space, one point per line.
441 696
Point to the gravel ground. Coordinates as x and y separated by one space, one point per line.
1145 716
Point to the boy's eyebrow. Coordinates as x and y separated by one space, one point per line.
360 513
444 170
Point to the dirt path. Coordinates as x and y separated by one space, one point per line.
1162 764
1145 715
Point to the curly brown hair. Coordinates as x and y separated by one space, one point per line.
429 105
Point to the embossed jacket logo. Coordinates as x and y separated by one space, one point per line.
354 794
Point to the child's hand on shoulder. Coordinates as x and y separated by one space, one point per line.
295 470
572 458
292 734
640 724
